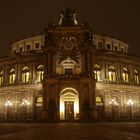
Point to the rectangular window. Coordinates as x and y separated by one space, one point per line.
116 48
108 46
27 77
12 78
40 75
137 79
122 50
37 45
23 77
20 49
98 75
100 44
28 47
14 51
1 80
68 71
125 77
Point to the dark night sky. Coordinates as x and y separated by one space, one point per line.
24 18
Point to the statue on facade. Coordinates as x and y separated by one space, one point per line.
67 17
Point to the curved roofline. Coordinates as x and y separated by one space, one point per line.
41 35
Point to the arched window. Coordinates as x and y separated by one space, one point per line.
40 72
125 75
112 74
25 74
99 101
1 77
97 72
12 76
39 101
136 76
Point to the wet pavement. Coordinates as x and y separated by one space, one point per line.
70 131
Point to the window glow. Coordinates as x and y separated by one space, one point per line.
12 76
40 73
112 74
97 72
25 74
39 101
99 101
136 76
125 75
1 77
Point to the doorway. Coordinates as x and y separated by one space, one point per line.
69 104
69 110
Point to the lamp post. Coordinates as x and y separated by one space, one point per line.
25 103
130 105
8 105
113 103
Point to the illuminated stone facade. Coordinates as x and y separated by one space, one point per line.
69 73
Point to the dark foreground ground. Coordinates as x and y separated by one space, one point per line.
70 131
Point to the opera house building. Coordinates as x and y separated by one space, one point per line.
69 73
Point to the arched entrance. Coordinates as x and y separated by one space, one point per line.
69 104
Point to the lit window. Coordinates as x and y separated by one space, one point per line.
112 74
97 72
39 101
99 101
136 76
25 74
125 75
12 76
1 77
40 72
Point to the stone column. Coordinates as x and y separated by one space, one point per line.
87 63
34 71
19 73
5 75
45 101
16 73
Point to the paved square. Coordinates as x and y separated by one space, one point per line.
70 131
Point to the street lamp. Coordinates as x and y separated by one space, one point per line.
8 104
113 103
130 105
25 103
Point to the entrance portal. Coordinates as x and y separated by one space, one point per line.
69 110
69 104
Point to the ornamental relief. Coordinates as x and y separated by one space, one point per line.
68 43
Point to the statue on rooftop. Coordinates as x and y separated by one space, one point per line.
67 17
